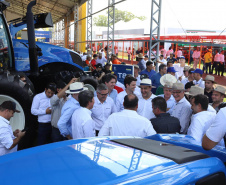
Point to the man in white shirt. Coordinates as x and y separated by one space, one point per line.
162 60
216 131
8 138
127 122
218 97
198 78
101 59
145 100
41 107
201 118
182 109
185 79
103 107
110 80
130 84
136 74
82 123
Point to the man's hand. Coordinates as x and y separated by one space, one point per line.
48 110
15 133
20 134
69 137
73 80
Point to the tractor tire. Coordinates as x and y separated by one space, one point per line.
11 88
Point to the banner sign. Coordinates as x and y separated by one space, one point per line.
122 71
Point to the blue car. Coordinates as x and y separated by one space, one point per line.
158 159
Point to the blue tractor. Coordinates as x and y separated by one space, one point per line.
40 63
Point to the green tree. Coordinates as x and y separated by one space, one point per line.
120 15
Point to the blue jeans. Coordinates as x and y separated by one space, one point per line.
44 133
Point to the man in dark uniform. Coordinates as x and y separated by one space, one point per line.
98 73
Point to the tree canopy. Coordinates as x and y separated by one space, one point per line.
102 20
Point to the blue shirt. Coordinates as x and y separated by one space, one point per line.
141 65
64 123
155 79
145 71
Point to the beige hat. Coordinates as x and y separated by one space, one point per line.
76 87
89 87
186 68
136 66
195 90
220 89
140 55
168 85
178 86
146 81
210 78
167 78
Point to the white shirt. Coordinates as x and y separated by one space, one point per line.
103 54
119 84
163 61
82 124
127 123
184 80
211 109
138 80
101 61
39 105
6 137
170 103
179 69
101 111
182 111
199 83
217 130
145 107
200 122
84 57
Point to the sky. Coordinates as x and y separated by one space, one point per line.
189 14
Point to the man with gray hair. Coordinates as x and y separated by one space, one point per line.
103 107
182 109
81 121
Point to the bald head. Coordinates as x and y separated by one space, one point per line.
131 102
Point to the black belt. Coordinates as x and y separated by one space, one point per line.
45 123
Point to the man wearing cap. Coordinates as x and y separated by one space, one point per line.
130 84
201 118
208 60
115 59
103 107
64 123
216 132
208 91
41 107
82 123
145 104
218 97
136 74
141 62
172 71
149 70
106 69
57 102
8 138
187 75
163 123
101 60
127 122
198 78
156 77
98 73
182 109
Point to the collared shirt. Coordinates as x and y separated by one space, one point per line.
82 124
221 58
101 111
217 130
39 105
216 108
113 95
200 122
141 65
64 123
145 71
209 94
164 123
211 109
217 57
200 83
182 111
101 61
127 123
145 107
170 103
196 54
156 80
208 57
57 105
184 80
6 137
138 80
179 69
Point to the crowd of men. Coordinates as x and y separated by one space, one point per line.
170 101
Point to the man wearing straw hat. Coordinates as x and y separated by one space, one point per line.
208 91
64 123
182 109
218 97
141 62
145 100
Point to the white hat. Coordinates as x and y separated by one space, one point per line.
220 89
146 81
76 87
195 90
167 78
